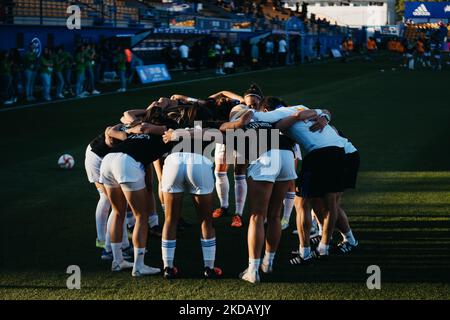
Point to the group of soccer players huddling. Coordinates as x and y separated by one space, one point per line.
190 143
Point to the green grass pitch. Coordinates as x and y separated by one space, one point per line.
400 211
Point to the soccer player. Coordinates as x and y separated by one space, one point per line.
123 175
268 178
191 171
321 175
95 152
288 202
252 98
351 167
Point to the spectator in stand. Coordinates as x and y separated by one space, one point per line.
80 66
184 55
318 47
31 64
67 63
371 48
120 61
90 63
255 55
269 51
237 53
58 63
5 79
197 55
16 73
282 51
46 70
219 57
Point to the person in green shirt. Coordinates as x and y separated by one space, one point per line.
30 61
58 63
120 61
46 69
67 62
80 66
5 79
90 62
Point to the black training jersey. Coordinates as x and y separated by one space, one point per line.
99 146
145 148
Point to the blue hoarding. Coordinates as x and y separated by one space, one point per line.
153 73
427 10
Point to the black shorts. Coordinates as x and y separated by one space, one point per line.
351 167
322 172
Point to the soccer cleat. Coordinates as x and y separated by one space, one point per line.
155 231
95 92
236 221
345 247
321 256
315 240
284 224
252 277
116 267
107 255
128 253
299 261
219 212
145 271
266 268
170 273
99 244
212 273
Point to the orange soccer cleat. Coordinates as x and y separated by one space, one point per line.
236 221
219 212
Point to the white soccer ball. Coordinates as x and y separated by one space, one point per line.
382 70
66 161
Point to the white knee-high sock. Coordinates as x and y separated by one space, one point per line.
288 205
125 240
101 215
222 188
240 192
168 252
108 235
153 220
209 252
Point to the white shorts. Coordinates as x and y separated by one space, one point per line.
190 172
273 165
92 163
121 170
219 154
